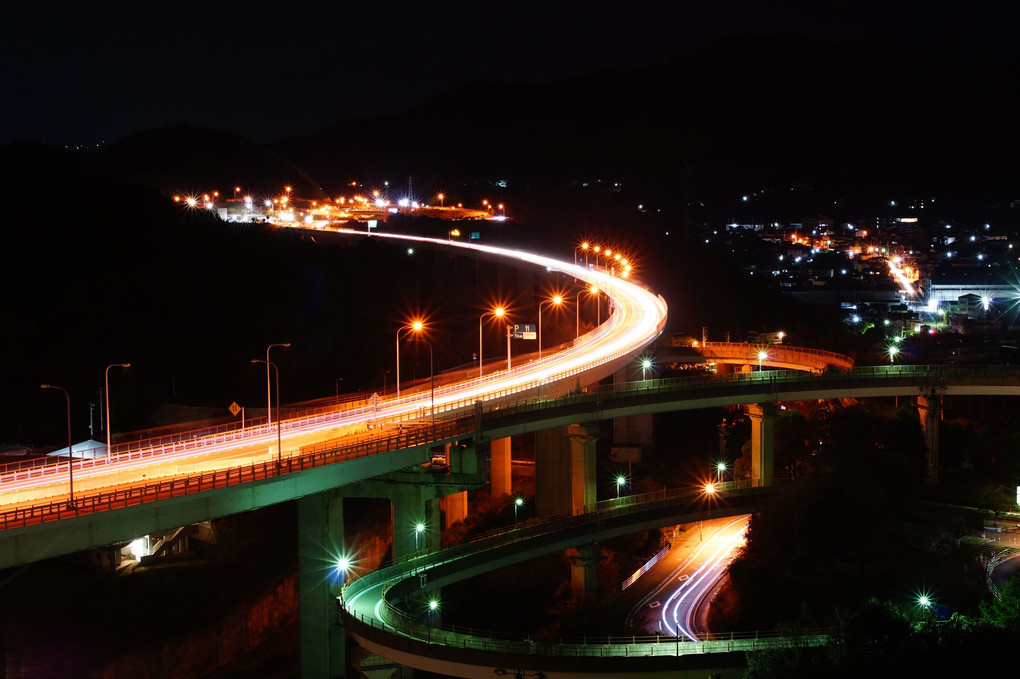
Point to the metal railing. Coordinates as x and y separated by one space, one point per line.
464 410
397 622
309 457
623 646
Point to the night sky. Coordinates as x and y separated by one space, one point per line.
83 73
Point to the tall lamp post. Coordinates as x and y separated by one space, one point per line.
70 454
432 381
343 566
108 430
419 528
416 326
584 247
762 356
269 392
279 447
557 300
518 503
498 312
577 303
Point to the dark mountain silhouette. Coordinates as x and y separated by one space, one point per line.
174 159
746 112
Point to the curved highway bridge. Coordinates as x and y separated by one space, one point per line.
146 487
389 611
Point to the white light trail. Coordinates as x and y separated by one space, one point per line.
637 319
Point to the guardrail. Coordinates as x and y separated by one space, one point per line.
422 395
309 457
402 623
498 404
998 558
832 358
598 647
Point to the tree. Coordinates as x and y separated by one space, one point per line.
1005 611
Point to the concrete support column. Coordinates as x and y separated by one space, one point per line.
929 410
584 562
633 435
501 482
455 508
552 472
320 541
414 505
583 438
763 424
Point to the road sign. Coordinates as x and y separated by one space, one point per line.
234 409
525 331
475 235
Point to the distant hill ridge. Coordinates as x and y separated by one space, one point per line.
744 113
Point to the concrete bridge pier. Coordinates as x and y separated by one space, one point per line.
463 459
584 561
565 469
929 410
454 508
633 435
763 424
320 543
583 438
414 505
501 478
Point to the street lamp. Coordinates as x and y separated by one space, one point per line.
518 502
762 356
583 247
419 528
108 434
432 381
892 354
621 481
720 469
498 312
279 447
555 300
433 607
416 326
343 567
70 455
269 397
646 364
577 305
